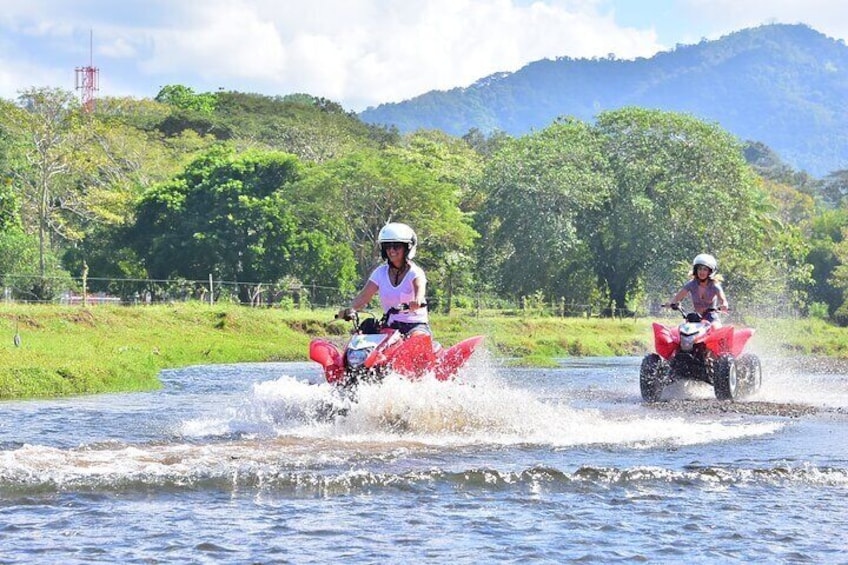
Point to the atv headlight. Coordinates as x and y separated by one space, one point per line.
356 357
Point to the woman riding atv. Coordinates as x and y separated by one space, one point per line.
398 281
704 288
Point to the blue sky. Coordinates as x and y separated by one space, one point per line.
359 53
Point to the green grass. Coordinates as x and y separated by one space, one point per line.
74 350
71 350
538 338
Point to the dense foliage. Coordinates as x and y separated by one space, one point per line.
284 194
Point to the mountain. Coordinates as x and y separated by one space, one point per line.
783 85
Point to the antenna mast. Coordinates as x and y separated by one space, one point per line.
88 78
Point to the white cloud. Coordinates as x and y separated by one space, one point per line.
357 52
724 16
367 52
225 39
116 48
12 71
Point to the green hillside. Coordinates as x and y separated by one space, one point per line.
782 85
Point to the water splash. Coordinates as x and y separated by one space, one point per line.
809 381
289 431
478 408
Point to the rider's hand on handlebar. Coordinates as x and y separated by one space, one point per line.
674 306
345 314
403 307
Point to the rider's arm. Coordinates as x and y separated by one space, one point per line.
681 294
419 285
364 297
722 300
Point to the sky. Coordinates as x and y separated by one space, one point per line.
359 53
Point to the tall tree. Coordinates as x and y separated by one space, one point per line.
46 169
536 188
679 187
353 197
122 162
229 215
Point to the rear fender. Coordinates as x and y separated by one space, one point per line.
721 340
740 338
455 357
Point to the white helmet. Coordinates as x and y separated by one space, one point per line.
706 260
397 232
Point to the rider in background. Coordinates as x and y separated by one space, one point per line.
704 289
398 281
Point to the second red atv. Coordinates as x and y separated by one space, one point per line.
700 350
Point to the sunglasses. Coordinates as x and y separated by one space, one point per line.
394 245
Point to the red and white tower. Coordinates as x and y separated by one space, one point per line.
88 79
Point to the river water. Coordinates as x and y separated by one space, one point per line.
241 464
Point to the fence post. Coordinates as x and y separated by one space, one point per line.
211 292
84 284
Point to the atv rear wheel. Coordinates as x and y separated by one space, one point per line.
653 376
726 378
751 374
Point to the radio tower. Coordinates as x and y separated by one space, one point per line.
88 79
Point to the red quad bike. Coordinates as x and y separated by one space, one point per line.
374 349
699 350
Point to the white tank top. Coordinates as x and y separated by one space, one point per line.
404 292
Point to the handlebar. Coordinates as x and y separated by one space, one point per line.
349 314
676 306
403 307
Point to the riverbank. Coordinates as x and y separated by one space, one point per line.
74 350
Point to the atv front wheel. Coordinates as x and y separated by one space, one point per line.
751 374
726 378
653 377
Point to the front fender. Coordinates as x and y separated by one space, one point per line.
328 356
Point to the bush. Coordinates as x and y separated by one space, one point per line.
818 311
840 317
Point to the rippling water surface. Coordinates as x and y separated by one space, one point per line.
264 463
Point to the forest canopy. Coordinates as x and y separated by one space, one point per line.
275 193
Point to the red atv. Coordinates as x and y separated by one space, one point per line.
700 350
375 349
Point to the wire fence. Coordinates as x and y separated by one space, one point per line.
138 291
294 294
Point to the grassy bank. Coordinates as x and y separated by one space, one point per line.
73 350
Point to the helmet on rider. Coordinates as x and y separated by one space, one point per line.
395 232
707 261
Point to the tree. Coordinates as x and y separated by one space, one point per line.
184 98
351 198
18 251
229 215
46 170
835 188
122 162
679 187
536 189
451 160
827 256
